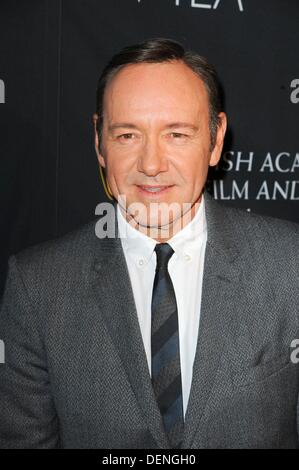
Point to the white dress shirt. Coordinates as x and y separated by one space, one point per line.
186 271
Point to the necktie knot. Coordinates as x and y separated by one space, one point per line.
164 252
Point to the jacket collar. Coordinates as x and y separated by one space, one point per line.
115 300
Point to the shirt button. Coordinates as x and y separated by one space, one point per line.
141 262
187 257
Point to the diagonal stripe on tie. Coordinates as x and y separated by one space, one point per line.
165 355
165 349
175 434
161 303
170 395
166 376
166 331
172 416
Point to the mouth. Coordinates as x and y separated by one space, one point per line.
153 190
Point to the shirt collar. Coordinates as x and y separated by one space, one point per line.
184 243
187 241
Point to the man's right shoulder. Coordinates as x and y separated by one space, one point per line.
76 244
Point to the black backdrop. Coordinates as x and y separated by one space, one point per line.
51 53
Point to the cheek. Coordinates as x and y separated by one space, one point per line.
190 171
189 158
120 163
122 180
118 169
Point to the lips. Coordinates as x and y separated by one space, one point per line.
153 189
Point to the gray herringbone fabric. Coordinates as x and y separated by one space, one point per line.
165 349
76 373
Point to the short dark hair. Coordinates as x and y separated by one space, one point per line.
159 50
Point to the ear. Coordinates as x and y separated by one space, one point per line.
101 160
221 130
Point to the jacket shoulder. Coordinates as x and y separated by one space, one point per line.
262 225
264 238
66 248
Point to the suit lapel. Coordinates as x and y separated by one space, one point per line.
221 274
115 299
114 296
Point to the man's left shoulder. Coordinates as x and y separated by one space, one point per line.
266 228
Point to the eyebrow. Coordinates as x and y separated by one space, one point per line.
127 125
171 125
185 125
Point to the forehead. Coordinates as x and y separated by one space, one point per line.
154 90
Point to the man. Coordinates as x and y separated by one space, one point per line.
177 331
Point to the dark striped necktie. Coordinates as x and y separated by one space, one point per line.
165 352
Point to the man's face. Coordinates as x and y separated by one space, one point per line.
156 139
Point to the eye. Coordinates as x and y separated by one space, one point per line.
178 135
127 136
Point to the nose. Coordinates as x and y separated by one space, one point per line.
152 159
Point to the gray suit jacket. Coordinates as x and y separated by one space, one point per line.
76 374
